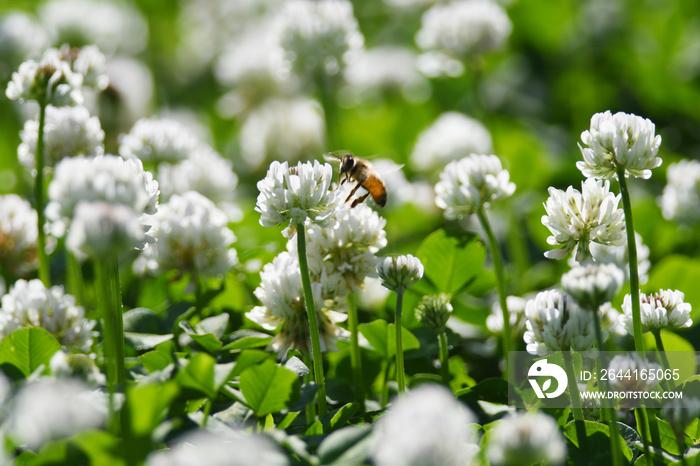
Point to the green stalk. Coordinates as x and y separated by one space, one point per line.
400 374
575 400
74 277
313 323
308 378
632 256
669 385
355 355
640 415
44 270
500 282
109 299
444 356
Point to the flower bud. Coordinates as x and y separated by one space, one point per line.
399 273
434 310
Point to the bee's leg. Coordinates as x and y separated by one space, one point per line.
354 190
359 200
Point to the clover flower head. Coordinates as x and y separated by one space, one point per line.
463 29
591 285
516 314
67 365
528 438
49 81
155 140
295 194
680 412
556 323
427 426
632 362
68 131
665 309
101 229
319 35
623 141
191 235
577 218
31 304
451 136
132 83
617 255
282 296
468 184
18 235
680 200
285 129
434 310
91 63
107 178
399 273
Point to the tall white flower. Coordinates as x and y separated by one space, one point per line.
49 81
578 218
681 412
68 131
522 439
636 366
100 229
295 194
591 285
106 178
191 235
617 255
52 409
319 35
282 296
399 273
452 136
556 323
285 129
31 304
90 62
154 140
427 426
619 141
665 309
516 314
132 83
464 28
18 235
470 183
680 200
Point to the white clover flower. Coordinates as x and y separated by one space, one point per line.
452 136
680 200
106 178
158 140
591 285
428 426
373 295
617 255
282 296
113 27
516 315
399 273
463 29
470 183
31 304
632 362
192 235
578 218
50 81
409 4
91 63
101 229
204 447
522 439
18 235
347 249
205 172
619 141
556 323
52 409
21 37
295 194
132 83
319 35
282 129
680 412
662 310
65 364
386 69
68 131
434 310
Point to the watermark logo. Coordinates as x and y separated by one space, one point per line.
542 368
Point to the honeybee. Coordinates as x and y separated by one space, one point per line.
359 170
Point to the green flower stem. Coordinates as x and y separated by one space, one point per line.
400 374
386 367
109 299
632 256
74 277
575 400
44 270
355 355
640 415
653 427
607 409
313 323
500 282
661 351
444 356
308 378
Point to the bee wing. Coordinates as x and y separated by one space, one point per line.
386 167
336 155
